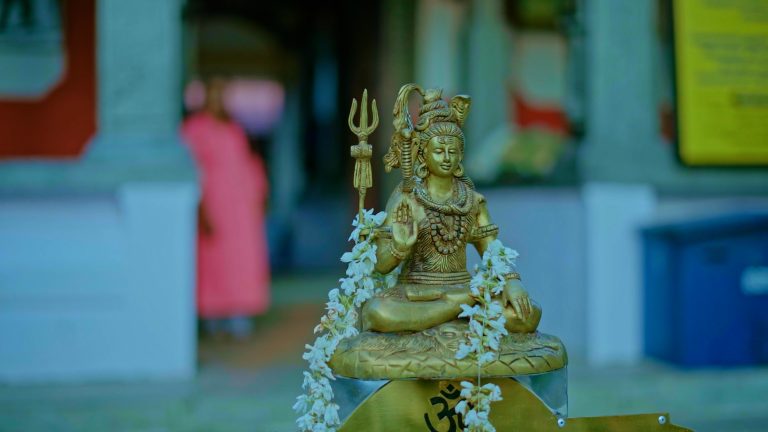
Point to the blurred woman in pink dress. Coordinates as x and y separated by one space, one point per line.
233 261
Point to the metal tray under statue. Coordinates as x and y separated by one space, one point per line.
430 354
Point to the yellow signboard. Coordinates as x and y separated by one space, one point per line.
721 62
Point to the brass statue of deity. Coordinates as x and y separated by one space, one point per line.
412 329
402 365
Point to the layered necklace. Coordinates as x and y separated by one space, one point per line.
448 221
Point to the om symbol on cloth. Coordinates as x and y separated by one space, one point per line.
445 411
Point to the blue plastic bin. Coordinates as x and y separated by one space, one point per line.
706 291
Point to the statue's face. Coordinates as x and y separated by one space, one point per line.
443 155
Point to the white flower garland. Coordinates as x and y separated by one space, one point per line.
319 413
486 328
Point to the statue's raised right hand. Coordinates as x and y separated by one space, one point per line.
404 228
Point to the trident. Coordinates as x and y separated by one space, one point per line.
362 151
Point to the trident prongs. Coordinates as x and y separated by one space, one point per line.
362 151
364 130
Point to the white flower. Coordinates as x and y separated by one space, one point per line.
500 265
370 221
511 254
470 418
493 391
331 414
320 414
495 247
367 253
378 218
485 331
333 295
305 422
467 310
347 285
359 268
461 407
347 257
361 296
477 279
466 389
301 403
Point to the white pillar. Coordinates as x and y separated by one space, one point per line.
613 214
139 81
488 73
622 130
622 110
438 23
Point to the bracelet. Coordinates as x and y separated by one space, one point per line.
513 275
490 230
396 253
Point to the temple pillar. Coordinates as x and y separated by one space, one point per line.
621 127
438 49
488 73
98 267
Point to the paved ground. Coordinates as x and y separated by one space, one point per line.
250 386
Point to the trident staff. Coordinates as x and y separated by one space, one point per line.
362 151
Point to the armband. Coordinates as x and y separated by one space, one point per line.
483 232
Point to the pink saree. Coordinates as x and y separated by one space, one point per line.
233 262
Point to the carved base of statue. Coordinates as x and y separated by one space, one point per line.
430 354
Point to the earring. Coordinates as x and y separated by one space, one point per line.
459 171
421 170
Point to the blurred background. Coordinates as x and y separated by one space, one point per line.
622 146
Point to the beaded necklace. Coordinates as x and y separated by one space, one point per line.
448 221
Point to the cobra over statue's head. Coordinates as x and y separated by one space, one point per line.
435 144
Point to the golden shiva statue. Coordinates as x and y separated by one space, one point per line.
412 330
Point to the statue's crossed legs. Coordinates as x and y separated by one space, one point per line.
417 307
